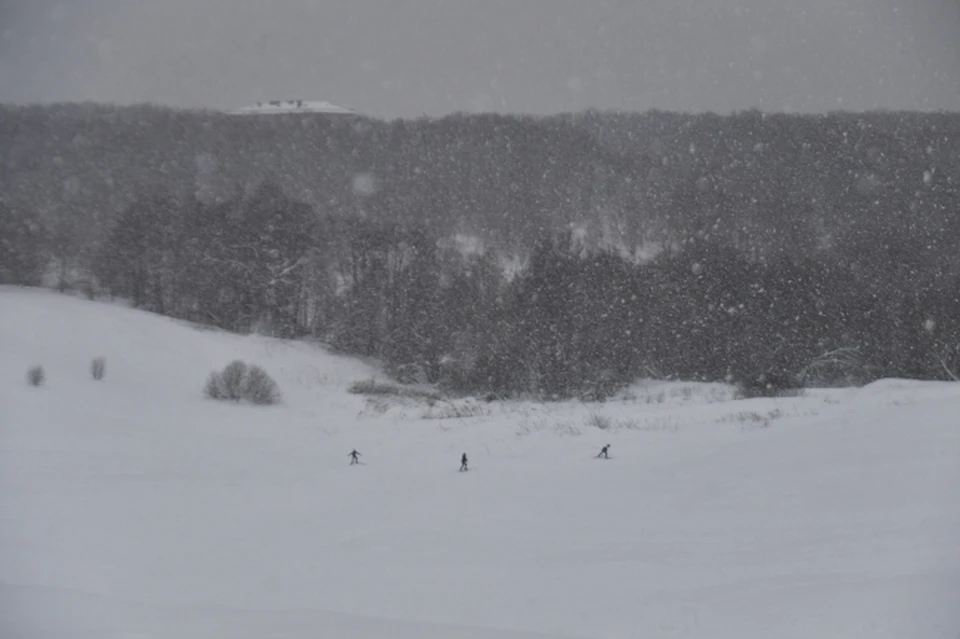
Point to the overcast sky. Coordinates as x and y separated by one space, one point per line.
398 58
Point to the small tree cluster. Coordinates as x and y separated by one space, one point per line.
238 381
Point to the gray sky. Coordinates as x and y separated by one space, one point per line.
411 57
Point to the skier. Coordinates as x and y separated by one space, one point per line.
463 463
604 452
354 455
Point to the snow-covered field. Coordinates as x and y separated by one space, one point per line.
133 507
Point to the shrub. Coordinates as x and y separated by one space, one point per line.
260 387
598 421
768 385
373 387
212 389
752 420
36 376
232 380
98 367
237 382
456 411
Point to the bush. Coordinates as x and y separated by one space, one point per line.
752 420
768 385
212 389
237 382
456 411
373 387
598 421
36 376
98 367
233 380
260 387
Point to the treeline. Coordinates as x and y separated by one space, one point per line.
568 321
558 256
767 183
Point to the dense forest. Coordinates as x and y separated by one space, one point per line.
561 256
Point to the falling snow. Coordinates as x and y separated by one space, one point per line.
693 230
364 184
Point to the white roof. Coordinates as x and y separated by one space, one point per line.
291 106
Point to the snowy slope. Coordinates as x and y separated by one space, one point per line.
132 507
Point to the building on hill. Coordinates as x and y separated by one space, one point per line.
285 107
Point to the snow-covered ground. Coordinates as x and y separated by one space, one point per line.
277 107
133 507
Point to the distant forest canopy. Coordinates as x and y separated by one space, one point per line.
560 255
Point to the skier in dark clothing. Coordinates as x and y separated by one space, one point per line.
604 452
463 463
354 457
